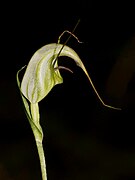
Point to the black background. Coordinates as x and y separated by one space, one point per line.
82 138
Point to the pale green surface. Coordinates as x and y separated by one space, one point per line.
41 76
42 73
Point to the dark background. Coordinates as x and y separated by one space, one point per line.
82 138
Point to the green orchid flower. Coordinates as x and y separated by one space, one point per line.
41 75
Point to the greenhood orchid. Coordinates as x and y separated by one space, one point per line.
41 75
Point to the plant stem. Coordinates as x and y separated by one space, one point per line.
38 134
42 159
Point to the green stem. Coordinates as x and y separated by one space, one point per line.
37 131
42 159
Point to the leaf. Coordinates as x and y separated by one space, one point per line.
36 128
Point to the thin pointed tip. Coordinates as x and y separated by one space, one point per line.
112 107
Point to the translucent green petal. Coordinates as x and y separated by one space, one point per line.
41 76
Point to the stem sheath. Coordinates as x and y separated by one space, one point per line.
37 131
